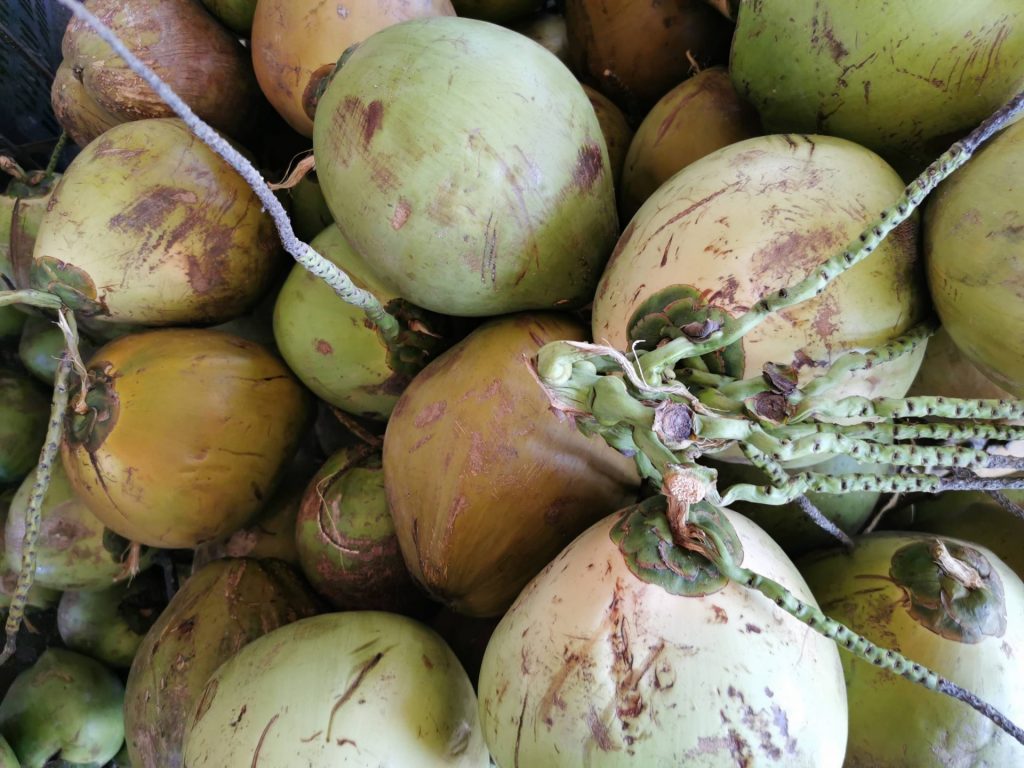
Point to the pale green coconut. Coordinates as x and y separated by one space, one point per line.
466 164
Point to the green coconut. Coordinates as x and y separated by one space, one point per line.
974 252
221 608
754 217
41 346
346 538
149 227
361 689
109 624
24 414
74 550
330 346
698 116
486 483
627 651
903 79
949 605
65 704
236 15
483 177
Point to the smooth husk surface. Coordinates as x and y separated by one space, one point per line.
973 249
486 182
359 688
902 79
485 483
228 414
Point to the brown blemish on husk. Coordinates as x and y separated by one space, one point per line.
401 215
430 414
589 167
324 347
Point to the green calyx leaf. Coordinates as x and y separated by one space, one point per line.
74 286
681 310
91 428
951 589
644 537
423 336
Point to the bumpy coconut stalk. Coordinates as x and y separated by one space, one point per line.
200 59
698 116
221 608
634 51
297 43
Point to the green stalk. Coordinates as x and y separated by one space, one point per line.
886 408
710 544
33 514
807 482
780 479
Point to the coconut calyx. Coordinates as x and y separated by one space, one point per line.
95 417
681 310
950 589
646 539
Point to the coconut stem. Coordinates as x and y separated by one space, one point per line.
336 278
30 297
957 570
33 514
665 357
886 408
51 166
807 482
709 544
780 478
1007 504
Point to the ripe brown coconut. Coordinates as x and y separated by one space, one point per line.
296 43
486 484
698 116
634 51
187 47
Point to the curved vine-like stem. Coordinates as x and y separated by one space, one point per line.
780 479
709 544
336 278
33 514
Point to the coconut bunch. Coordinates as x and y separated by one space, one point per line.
595 350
